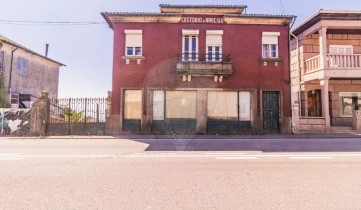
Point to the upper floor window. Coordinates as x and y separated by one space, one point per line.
22 66
190 45
341 49
270 44
214 45
2 62
133 42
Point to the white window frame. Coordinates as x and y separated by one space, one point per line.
269 40
22 66
132 36
190 34
216 35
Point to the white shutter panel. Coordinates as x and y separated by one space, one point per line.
348 50
133 40
269 40
333 50
158 105
244 106
214 40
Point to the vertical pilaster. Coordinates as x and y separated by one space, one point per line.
40 114
325 102
323 47
201 124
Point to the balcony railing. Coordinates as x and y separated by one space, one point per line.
335 61
208 57
344 61
312 63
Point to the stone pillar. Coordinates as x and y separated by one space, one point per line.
323 47
356 120
201 124
296 118
39 115
325 103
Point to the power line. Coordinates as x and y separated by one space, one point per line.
31 22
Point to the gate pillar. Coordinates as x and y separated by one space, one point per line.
40 114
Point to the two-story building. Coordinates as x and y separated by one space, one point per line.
200 69
326 70
27 73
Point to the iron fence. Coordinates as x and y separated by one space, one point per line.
77 110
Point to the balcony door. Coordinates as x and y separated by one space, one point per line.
190 48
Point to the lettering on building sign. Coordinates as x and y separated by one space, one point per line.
201 20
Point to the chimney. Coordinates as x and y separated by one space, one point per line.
46 50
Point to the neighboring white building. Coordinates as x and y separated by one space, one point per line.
27 73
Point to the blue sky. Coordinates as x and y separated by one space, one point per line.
87 49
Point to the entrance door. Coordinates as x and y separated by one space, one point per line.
270 106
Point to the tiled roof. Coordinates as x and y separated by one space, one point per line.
261 15
202 6
140 14
15 44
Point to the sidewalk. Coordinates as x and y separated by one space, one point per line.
267 136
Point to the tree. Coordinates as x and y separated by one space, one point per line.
3 102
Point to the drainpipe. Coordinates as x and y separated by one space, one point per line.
299 72
11 69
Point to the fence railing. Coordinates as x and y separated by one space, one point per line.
344 61
312 63
77 110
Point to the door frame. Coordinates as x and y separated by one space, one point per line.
280 112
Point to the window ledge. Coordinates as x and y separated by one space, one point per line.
133 57
270 59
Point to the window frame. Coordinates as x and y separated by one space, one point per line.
192 54
270 40
128 36
22 65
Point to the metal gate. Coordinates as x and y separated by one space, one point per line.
77 116
270 106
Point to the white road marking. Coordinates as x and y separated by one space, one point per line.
310 158
224 153
235 158
11 158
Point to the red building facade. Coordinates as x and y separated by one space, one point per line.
200 69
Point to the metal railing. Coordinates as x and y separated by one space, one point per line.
208 57
77 110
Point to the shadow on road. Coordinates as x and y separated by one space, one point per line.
256 144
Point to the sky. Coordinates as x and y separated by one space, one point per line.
87 50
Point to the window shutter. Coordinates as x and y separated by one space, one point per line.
244 106
341 49
270 37
158 105
214 40
133 38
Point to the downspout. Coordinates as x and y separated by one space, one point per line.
299 72
11 68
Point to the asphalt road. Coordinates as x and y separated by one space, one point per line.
127 174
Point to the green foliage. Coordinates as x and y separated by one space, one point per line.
76 117
3 102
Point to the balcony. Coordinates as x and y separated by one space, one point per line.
336 66
195 64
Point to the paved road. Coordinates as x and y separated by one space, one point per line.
122 174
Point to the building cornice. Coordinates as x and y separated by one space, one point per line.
266 19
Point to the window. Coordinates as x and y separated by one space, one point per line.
158 105
133 42
2 62
270 44
132 104
181 104
349 102
190 45
214 45
341 49
226 105
22 66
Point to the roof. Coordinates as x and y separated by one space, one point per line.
15 44
342 15
201 6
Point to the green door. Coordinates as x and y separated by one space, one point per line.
271 107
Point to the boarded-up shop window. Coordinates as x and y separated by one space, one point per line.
158 105
222 105
133 104
244 106
181 104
